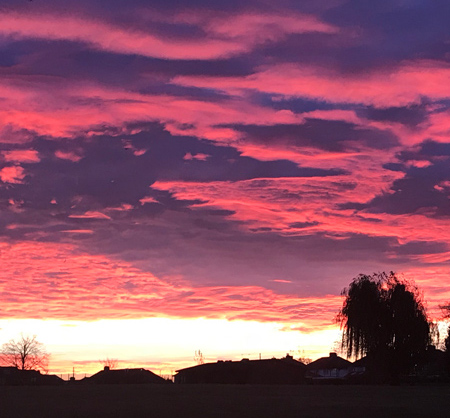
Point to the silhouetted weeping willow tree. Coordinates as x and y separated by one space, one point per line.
384 317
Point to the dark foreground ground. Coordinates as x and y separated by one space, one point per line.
234 401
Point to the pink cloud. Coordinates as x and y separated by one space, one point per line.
277 208
199 157
10 134
122 208
438 126
16 207
432 280
419 164
223 39
281 281
21 156
12 174
148 199
71 156
76 108
335 114
90 215
107 37
256 27
400 86
78 231
52 277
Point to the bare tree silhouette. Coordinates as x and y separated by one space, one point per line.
302 357
198 357
111 363
26 354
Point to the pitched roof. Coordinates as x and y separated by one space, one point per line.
220 364
362 362
15 376
268 371
331 362
124 376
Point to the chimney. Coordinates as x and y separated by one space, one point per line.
333 355
106 368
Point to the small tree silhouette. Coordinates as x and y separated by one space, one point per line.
198 357
302 357
111 363
26 354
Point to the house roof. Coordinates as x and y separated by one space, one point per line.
331 362
124 376
50 379
362 362
268 371
221 364
15 376
8 369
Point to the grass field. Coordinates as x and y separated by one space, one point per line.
235 401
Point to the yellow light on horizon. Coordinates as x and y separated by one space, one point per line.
165 343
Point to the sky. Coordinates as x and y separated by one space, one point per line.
209 175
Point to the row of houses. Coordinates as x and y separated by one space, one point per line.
267 371
270 371
331 369
11 376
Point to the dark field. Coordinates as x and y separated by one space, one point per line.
235 401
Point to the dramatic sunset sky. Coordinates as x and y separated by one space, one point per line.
210 175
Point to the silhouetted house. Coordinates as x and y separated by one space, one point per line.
268 371
124 376
12 376
49 380
359 371
328 369
434 365
9 376
360 366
